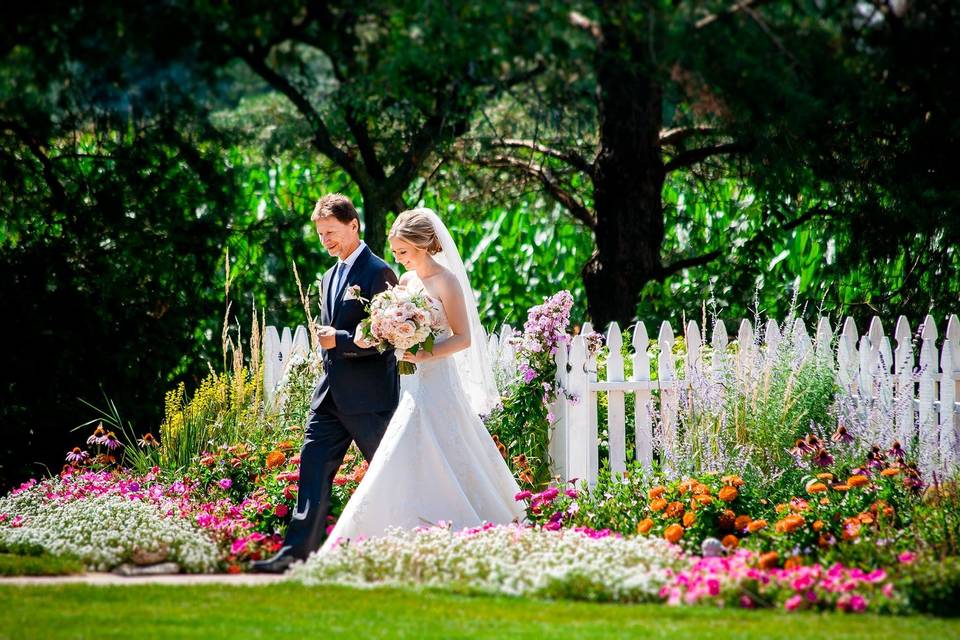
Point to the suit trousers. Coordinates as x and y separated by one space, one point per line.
327 438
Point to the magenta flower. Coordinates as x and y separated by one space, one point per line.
792 602
523 495
225 483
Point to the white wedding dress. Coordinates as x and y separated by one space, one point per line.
436 462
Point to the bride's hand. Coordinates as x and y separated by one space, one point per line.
416 358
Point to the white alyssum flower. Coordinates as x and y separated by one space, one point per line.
510 560
105 531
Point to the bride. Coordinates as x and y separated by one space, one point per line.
436 462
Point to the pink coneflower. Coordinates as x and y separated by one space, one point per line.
99 435
148 441
823 458
841 435
800 447
873 462
897 451
77 455
110 441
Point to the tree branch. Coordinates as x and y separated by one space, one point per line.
36 150
694 156
686 263
543 174
710 256
572 158
321 134
670 137
737 7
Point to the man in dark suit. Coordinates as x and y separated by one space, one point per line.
360 388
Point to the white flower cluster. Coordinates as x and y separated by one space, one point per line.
510 560
105 531
401 318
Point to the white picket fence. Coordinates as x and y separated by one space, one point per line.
278 349
924 391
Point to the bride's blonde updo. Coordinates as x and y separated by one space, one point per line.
415 227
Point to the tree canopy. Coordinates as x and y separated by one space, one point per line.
653 156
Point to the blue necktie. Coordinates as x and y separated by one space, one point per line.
338 281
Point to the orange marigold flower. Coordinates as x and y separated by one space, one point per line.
817 525
275 459
816 487
851 528
730 541
824 476
756 525
656 492
726 519
689 518
780 508
841 487
658 505
742 522
769 560
732 480
824 501
728 494
674 510
790 524
865 518
858 480
793 562
687 485
673 533
701 490
644 526
704 499
892 471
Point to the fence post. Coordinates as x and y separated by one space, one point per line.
579 441
926 392
642 405
560 429
669 396
904 389
593 428
948 396
824 344
616 408
272 361
847 357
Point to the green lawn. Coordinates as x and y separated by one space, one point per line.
293 611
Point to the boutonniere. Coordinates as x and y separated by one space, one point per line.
353 293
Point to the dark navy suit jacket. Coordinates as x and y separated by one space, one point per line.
359 380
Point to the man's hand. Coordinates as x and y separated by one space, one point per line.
328 337
360 341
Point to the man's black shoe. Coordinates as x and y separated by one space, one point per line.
277 564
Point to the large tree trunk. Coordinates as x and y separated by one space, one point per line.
375 224
628 177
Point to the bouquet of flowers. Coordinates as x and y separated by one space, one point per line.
404 320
